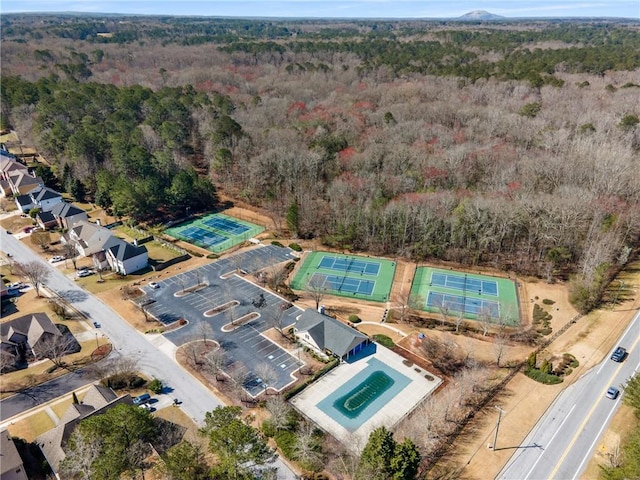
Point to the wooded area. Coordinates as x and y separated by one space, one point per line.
513 145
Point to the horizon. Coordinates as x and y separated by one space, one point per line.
332 9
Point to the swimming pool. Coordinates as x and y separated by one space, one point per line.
364 395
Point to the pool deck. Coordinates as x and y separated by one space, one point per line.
388 415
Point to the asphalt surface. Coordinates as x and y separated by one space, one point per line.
244 343
196 400
563 441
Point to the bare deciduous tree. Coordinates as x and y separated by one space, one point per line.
267 374
280 411
41 239
216 361
307 449
36 273
238 374
7 360
317 290
56 347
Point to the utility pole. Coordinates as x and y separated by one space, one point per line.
495 439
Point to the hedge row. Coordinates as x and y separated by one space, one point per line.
298 388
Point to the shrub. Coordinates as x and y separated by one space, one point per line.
548 301
295 247
268 429
532 360
531 109
384 341
155 386
354 319
136 381
277 243
539 376
286 442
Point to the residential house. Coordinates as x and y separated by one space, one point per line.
11 466
22 182
126 258
45 198
67 214
90 238
27 336
24 202
107 250
97 400
46 220
329 336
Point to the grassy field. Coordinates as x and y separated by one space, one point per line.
32 426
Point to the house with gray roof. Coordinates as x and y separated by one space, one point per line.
97 400
67 214
126 258
92 240
11 466
45 198
29 337
46 220
329 336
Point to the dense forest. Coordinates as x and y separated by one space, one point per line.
514 145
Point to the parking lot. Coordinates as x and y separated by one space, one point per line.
172 301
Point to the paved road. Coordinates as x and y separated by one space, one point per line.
128 342
563 441
45 392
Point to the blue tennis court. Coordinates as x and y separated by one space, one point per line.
226 225
460 282
350 265
342 284
457 303
202 236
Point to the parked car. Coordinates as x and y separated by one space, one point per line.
15 286
154 285
96 324
140 399
85 272
618 354
613 393
56 259
27 229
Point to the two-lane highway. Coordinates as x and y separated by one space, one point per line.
567 434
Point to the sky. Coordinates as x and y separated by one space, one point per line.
335 8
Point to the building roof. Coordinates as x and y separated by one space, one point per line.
11 459
44 193
21 178
32 327
124 251
97 400
24 200
65 209
329 333
46 217
91 237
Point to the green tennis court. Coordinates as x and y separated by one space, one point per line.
215 232
435 290
346 275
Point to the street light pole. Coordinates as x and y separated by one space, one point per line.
495 438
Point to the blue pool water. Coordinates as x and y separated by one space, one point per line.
331 405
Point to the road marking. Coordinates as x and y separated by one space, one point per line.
588 417
551 440
588 455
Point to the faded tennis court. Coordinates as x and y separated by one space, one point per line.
474 296
346 275
215 232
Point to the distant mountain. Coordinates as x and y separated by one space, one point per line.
480 15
